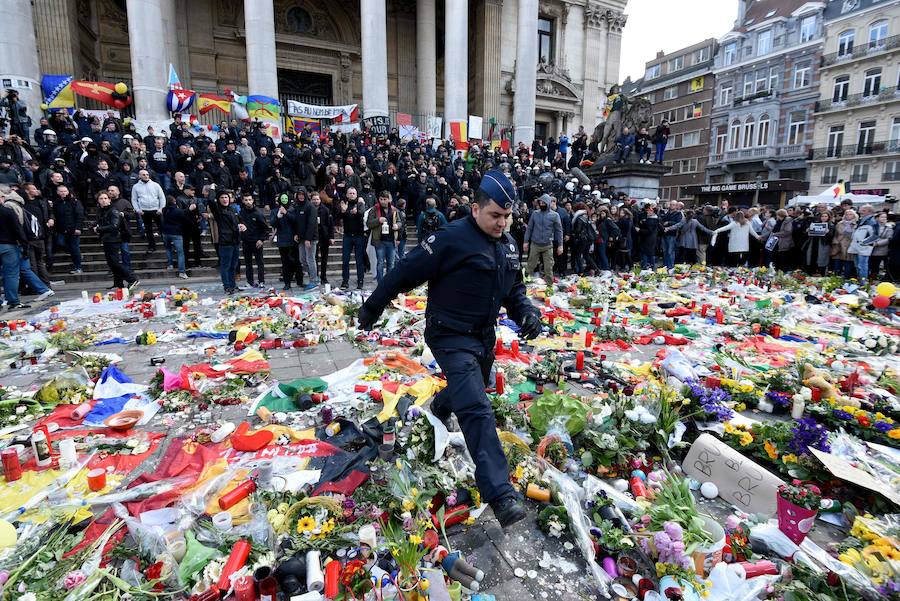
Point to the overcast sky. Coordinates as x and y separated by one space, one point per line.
669 25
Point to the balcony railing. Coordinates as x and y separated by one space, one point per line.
890 176
852 100
856 150
739 100
797 151
861 51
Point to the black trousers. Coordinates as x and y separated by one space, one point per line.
324 246
290 267
149 218
466 362
251 253
191 235
36 250
113 253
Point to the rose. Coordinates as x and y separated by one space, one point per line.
73 579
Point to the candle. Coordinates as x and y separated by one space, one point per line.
236 560
537 493
588 339
579 360
797 408
514 347
499 381
776 331
703 310
551 318
498 347
816 395
720 316
624 321
645 310
84 296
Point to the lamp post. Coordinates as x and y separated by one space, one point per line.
759 181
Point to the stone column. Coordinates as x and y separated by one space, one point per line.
456 62
19 57
374 58
613 48
57 31
487 51
170 37
149 67
526 72
426 57
404 22
262 69
595 22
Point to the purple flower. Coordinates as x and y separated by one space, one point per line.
413 412
674 530
884 426
841 414
779 399
809 433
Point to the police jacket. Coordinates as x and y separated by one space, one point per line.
109 225
470 276
255 222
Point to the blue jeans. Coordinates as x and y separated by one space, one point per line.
385 252
126 256
30 277
660 151
648 260
164 181
401 249
229 258
174 244
308 260
356 245
668 248
72 244
602 257
862 267
622 153
10 255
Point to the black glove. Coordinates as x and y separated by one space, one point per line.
367 318
531 327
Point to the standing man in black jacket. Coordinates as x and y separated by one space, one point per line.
37 206
326 234
284 221
110 224
256 231
351 214
307 235
230 229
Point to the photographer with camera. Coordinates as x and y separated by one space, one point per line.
15 120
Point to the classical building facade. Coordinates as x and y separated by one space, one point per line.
857 133
542 66
767 84
680 85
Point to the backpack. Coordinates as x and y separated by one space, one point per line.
430 223
585 231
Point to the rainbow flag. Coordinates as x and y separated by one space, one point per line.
208 102
58 93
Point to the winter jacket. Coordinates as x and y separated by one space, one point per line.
738 237
884 238
68 215
670 222
109 225
840 243
544 229
41 211
147 196
377 229
353 224
255 222
689 233
325 223
175 220
11 230
863 241
284 226
784 233
226 221
307 228
648 234
160 160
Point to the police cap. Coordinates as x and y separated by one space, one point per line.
497 186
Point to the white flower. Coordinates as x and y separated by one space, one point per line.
870 343
28 597
882 341
633 414
648 418
746 382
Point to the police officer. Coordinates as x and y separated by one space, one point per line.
471 258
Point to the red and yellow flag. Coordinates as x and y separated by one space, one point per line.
208 102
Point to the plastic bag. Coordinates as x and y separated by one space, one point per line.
551 405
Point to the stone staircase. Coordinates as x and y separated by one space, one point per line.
152 266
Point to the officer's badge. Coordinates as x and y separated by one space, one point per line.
512 247
430 239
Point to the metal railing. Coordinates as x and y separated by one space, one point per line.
855 150
754 96
863 50
793 151
890 176
852 100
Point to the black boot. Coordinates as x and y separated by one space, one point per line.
508 511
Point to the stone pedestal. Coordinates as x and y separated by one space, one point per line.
632 178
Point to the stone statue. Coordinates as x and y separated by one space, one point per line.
620 111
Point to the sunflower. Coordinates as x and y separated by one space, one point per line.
305 524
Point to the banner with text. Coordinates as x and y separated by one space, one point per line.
314 111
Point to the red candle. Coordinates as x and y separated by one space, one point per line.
624 321
332 578
498 347
816 394
579 361
693 304
776 331
588 339
499 382
596 321
759 568
514 346
235 495
235 562
703 310
645 310
720 316
552 319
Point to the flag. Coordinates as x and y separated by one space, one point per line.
263 107
98 90
352 117
837 190
174 81
178 99
208 102
298 123
58 92
404 119
458 133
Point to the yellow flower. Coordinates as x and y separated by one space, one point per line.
424 584
305 524
399 464
729 428
740 407
407 505
328 526
469 521
520 472
746 439
686 402
789 458
895 433
414 492
771 451
415 539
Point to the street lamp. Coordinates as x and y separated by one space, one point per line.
759 181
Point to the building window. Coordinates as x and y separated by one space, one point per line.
841 88
835 141
872 85
652 72
807 29
761 81
891 171
878 33
735 135
670 93
730 54
691 138
773 79
796 128
688 165
749 132
895 135
829 174
748 84
866 137
676 64
860 173
802 75
725 95
845 42
721 140
697 110
545 40
763 138
701 55
764 42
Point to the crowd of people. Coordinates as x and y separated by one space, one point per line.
235 187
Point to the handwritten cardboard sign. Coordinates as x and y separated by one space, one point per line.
741 481
842 469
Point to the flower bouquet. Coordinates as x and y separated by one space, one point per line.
798 506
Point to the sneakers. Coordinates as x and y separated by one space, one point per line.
508 511
169 268
76 270
359 286
44 295
18 306
310 287
133 285
57 283
261 285
345 285
183 276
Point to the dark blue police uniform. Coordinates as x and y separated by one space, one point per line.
470 276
